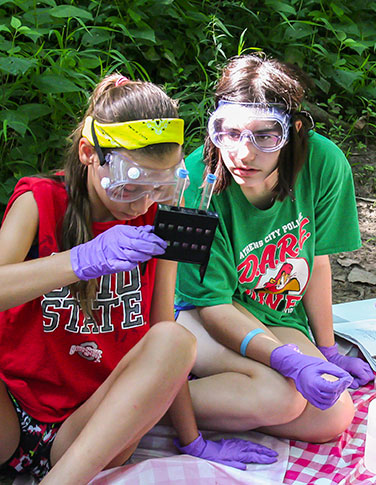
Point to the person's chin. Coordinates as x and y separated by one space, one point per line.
123 216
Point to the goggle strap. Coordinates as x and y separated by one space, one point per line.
98 149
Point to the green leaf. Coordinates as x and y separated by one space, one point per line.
298 31
169 55
15 23
31 33
295 55
96 36
347 78
50 83
68 11
319 48
369 92
88 62
5 45
146 34
6 189
337 10
151 54
134 15
323 84
16 65
341 36
17 121
34 110
40 17
358 47
220 24
279 7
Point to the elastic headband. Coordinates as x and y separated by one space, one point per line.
266 110
134 134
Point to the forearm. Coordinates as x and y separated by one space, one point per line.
181 411
182 416
318 302
229 325
162 307
22 282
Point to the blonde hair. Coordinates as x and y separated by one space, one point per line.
112 101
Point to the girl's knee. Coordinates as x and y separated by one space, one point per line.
278 403
342 417
334 421
289 405
173 339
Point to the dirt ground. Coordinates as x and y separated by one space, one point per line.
354 274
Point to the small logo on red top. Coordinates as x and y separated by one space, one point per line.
87 350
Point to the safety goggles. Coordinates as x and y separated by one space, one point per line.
272 123
126 181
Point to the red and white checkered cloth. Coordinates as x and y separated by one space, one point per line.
338 461
156 462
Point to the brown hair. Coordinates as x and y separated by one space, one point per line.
257 78
112 101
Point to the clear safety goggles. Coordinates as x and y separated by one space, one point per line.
126 181
227 125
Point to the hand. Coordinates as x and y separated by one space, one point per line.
307 373
358 368
234 452
120 248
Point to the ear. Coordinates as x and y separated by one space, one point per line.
86 152
298 124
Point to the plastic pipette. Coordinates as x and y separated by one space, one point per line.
180 187
207 192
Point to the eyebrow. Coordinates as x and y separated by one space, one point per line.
265 130
257 130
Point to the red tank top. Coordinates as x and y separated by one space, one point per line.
51 358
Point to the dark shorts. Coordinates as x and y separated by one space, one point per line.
33 453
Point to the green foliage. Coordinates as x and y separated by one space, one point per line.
52 54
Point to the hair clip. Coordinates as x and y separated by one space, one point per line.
122 81
309 117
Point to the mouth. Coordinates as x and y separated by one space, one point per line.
245 172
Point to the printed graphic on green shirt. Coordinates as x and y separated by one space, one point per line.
280 275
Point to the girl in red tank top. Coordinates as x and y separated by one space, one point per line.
90 355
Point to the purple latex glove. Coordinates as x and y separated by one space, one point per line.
234 452
307 371
120 248
358 368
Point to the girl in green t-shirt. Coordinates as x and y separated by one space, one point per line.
263 314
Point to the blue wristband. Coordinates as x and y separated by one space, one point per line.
248 338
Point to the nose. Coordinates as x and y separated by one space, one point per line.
246 150
141 206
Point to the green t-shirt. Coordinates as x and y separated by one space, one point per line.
263 259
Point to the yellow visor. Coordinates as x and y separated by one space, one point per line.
135 134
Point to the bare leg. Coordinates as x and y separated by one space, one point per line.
9 426
236 393
109 425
